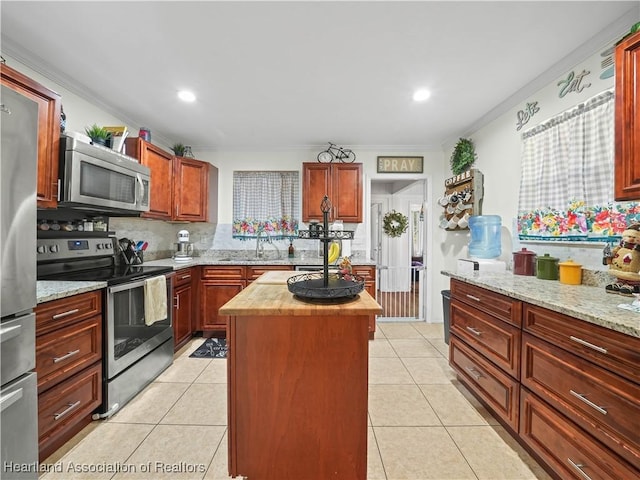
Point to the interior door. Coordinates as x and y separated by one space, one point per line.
376 232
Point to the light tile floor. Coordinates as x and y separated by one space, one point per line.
423 423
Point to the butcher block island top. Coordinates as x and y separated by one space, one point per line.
297 384
268 295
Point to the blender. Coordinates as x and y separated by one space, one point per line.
184 248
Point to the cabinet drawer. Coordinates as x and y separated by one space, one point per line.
605 405
255 272
369 273
495 339
612 350
224 273
68 350
501 306
566 448
62 406
182 277
498 390
53 315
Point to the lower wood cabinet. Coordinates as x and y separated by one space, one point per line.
69 367
573 395
218 285
368 272
184 308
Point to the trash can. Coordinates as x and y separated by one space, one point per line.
446 301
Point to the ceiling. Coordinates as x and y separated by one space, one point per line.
298 74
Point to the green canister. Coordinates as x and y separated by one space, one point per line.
547 267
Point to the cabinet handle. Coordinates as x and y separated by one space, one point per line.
583 397
474 373
587 344
473 298
70 406
475 331
66 314
578 467
185 276
64 357
176 301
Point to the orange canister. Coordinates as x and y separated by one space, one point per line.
570 272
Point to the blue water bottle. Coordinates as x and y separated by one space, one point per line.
485 236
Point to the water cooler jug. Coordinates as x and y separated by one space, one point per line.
485 236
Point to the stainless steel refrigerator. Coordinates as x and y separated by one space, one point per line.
18 218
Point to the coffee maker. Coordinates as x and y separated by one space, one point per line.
184 248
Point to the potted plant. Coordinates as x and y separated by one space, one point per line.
178 149
463 156
98 135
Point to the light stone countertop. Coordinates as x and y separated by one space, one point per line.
53 290
591 304
243 260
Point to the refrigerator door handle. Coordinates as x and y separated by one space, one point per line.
7 400
9 333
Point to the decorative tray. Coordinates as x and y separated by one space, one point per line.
316 288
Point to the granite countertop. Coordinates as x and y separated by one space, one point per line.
53 290
588 303
244 260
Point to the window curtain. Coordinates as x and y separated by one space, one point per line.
266 202
570 157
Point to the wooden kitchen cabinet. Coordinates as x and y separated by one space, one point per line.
218 285
192 199
368 272
184 310
49 108
161 165
182 189
342 182
575 403
68 366
253 272
627 131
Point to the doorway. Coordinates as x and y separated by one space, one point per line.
400 261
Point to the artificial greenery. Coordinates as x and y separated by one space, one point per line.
178 149
98 134
395 223
463 156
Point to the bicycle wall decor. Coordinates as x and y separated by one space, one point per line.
334 152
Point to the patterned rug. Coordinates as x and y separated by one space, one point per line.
211 348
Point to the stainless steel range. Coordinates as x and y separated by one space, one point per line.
137 348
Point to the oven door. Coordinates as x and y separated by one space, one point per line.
94 183
128 337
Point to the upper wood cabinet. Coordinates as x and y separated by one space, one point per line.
193 200
49 106
342 182
182 189
627 163
161 165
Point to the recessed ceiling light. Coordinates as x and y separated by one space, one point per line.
186 96
421 95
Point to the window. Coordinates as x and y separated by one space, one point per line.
268 202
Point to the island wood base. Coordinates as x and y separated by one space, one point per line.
298 396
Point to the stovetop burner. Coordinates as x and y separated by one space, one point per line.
89 260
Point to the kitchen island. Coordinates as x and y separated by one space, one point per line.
297 383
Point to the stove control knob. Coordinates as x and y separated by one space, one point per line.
42 249
53 248
108 245
100 246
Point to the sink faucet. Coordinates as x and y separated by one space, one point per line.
261 239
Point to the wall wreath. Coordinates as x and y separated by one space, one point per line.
395 223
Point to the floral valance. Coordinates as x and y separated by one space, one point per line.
578 222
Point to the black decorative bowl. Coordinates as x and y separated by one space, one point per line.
339 287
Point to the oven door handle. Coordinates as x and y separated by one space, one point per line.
126 286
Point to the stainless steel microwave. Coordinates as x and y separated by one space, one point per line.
101 180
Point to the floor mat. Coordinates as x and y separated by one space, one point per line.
211 348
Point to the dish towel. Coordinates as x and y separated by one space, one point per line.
155 299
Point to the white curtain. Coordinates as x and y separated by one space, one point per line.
570 157
265 201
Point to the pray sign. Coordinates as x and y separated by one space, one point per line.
400 164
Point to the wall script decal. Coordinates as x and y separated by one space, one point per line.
525 115
573 83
